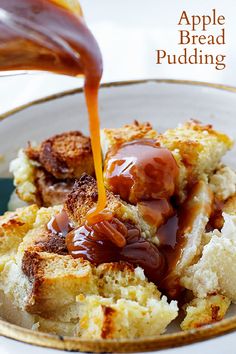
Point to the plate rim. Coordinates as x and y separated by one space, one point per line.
65 93
163 341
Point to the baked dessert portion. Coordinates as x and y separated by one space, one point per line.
173 206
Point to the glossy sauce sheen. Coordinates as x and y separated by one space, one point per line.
141 170
45 35
172 241
216 220
60 224
155 212
114 241
95 244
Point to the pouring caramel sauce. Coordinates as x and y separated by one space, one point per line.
50 35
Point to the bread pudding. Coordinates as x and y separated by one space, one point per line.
173 207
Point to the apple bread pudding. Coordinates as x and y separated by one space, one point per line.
173 217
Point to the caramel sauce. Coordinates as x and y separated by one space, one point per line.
177 235
114 241
141 170
167 233
155 212
172 241
60 224
49 35
97 244
216 220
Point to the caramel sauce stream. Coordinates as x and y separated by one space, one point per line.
98 213
52 36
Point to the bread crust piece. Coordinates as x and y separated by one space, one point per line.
65 155
84 197
201 312
193 217
45 174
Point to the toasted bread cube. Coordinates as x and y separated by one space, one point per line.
103 318
45 173
13 227
56 280
201 312
72 297
122 280
223 183
197 149
128 132
65 155
84 197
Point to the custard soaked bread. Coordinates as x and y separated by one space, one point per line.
170 218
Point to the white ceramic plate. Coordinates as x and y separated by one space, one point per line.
163 103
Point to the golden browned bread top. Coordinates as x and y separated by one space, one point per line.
84 197
128 132
200 146
65 155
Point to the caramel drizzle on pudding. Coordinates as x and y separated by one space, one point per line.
60 224
113 241
156 212
216 220
141 170
110 241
